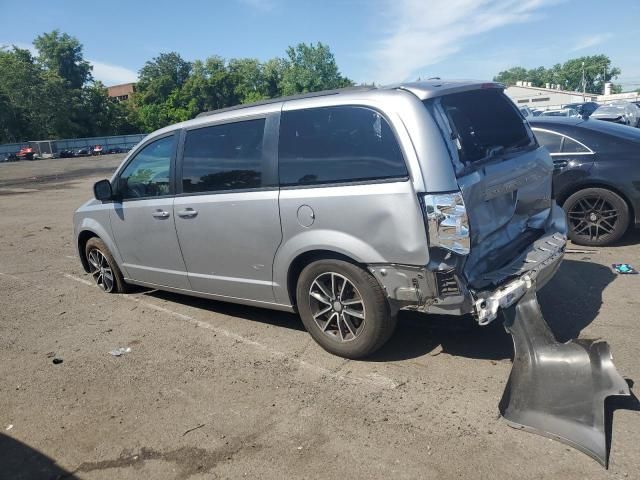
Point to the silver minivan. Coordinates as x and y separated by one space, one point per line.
345 206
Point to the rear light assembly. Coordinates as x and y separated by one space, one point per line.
447 221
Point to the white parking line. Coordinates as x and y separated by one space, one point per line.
78 279
374 379
11 276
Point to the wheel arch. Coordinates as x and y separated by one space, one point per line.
305 258
90 228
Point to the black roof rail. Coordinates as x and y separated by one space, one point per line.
321 93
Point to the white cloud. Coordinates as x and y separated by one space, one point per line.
591 41
422 33
112 74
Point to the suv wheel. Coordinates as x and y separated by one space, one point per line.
103 267
596 217
344 308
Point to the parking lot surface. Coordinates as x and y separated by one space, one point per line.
214 390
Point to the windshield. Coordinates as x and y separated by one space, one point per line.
484 123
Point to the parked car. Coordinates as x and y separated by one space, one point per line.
585 109
345 206
625 113
113 150
526 112
26 153
67 153
81 152
596 178
560 112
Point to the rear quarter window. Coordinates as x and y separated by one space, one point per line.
337 144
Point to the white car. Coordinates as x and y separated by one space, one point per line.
564 112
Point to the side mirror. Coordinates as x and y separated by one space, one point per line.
102 190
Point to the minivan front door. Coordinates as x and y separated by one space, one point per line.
227 215
142 217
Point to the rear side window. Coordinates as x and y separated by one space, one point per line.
337 144
571 146
223 157
552 141
483 123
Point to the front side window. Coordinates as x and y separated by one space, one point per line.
484 123
337 144
223 157
552 141
148 174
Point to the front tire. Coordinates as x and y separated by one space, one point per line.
596 217
344 308
103 268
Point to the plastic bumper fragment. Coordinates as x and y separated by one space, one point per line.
558 389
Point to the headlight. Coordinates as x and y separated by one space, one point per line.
447 221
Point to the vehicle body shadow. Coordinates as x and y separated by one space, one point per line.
244 312
20 461
570 302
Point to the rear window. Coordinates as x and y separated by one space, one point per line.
337 144
484 122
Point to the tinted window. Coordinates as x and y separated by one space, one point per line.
570 146
223 157
148 174
482 121
549 140
336 144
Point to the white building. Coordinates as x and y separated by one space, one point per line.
524 95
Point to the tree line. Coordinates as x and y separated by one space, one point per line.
569 75
51 92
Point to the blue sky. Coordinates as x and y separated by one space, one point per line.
376 40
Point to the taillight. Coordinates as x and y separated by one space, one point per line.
447 221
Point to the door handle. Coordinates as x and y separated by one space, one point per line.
160 214
187 213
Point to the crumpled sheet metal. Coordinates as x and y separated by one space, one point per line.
558 389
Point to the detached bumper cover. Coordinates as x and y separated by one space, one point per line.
558 389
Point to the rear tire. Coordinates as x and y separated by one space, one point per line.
344 308
103 267
596 217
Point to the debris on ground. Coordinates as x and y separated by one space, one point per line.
9 427
118 352
51 354
578 250
558 389
194 428
57 361
624 269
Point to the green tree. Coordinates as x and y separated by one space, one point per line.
62 54
310 68
159 77
569 75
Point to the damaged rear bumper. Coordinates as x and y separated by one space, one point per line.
441 289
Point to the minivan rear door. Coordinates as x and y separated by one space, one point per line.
504 176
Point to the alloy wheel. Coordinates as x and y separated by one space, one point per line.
101 270
593 218
337 306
